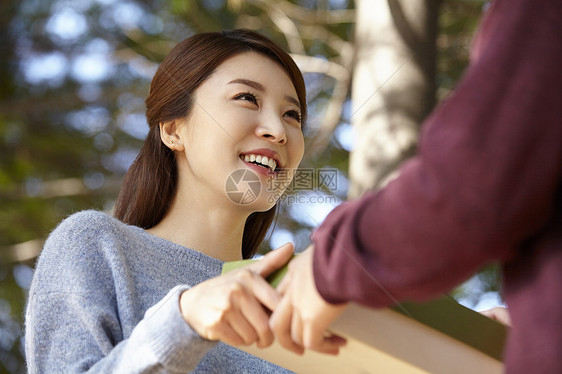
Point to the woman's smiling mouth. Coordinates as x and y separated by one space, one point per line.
260 160
264 160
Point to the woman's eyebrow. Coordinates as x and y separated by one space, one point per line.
258 86
292 100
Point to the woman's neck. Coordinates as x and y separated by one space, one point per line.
215 231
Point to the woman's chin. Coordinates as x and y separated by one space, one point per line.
263 203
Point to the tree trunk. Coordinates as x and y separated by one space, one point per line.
393 86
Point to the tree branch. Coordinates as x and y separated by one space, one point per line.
311 64
317 32
317 16
284 24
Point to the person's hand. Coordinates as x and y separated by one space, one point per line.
499 314
303 316
230 307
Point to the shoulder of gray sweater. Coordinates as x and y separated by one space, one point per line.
90 224
81 234
78 249
87 221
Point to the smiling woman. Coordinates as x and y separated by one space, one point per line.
141 292
153 176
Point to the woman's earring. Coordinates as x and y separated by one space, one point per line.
171 142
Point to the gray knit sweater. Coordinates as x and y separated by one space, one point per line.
105 299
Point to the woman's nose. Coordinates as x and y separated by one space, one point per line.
272 129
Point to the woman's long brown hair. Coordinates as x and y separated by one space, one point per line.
150 183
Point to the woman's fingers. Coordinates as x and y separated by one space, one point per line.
253 277
231 308
254 313
248 317
238 322
258 287
273 260
226 334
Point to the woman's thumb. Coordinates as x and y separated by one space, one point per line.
274 260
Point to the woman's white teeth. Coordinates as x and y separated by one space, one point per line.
272 164
262 160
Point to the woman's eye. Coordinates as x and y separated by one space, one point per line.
295 115
247 97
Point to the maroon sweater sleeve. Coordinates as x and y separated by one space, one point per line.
487 172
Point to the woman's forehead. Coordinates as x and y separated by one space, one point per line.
254 67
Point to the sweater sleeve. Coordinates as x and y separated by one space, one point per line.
484 181
73 324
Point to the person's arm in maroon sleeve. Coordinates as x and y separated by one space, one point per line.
489 163
490 160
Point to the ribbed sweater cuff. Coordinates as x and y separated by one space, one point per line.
177 347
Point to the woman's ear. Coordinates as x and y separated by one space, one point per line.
169 133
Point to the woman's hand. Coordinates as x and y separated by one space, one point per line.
232 307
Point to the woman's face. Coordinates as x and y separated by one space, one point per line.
244 128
